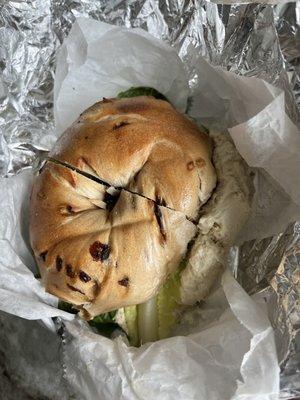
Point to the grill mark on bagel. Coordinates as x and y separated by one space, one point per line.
104 183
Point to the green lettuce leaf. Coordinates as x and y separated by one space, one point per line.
146 322
105 323
154 319
105 318
131 323
63 305
168 304
141 91
105 329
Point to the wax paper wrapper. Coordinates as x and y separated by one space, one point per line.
229 349
249 368
20 292
229 354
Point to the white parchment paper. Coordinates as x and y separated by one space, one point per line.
229 357
230 351
100 60
20 292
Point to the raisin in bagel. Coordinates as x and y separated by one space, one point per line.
112 210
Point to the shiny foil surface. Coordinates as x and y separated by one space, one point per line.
249 39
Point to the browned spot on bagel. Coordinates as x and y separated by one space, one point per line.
41 195
66 210
124 282
70 209
69 271
132 106
85 314
74 289
96 289
200 163
118 125
190 165
133 202
58 263
43 255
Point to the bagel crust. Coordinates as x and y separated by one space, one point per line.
111 211
145 145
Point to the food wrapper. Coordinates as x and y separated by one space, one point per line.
229 347
230 356
20 292
226 349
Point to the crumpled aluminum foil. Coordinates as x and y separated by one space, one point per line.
249 39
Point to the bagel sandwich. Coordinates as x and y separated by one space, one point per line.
134 211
